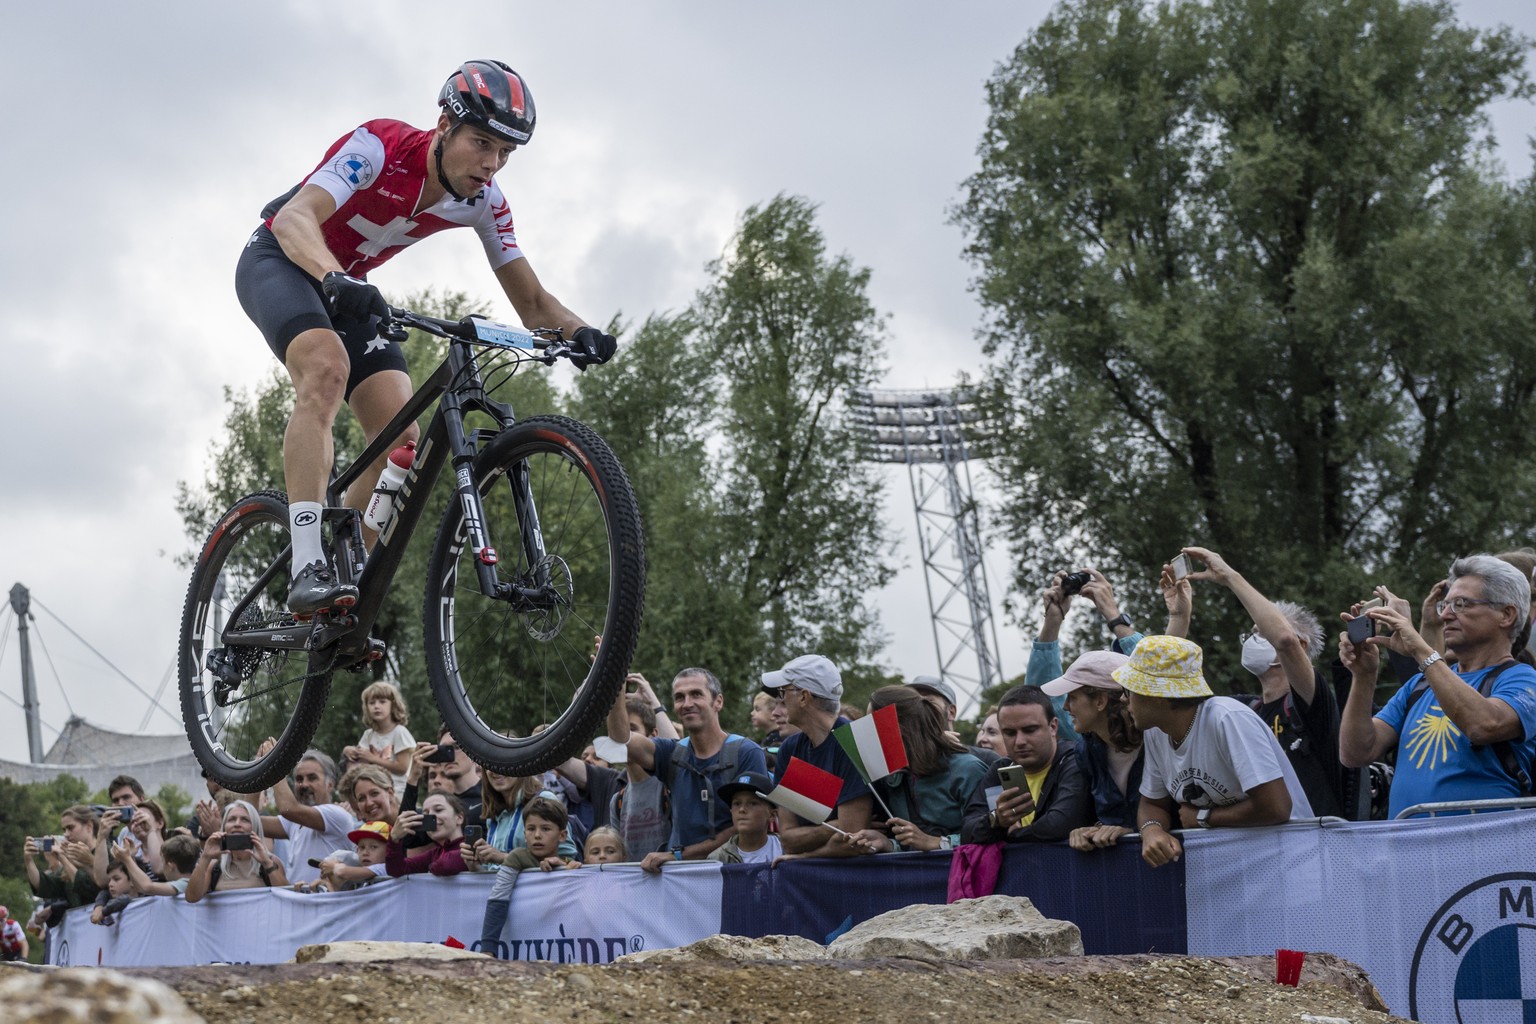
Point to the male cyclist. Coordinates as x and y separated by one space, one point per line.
303 279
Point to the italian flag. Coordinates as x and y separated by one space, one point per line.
807 791
873 743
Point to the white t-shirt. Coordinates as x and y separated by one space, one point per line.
1229 751
770 850
398 740
305 842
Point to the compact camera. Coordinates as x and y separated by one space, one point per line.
1073 582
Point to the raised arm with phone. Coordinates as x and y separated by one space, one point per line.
1295 702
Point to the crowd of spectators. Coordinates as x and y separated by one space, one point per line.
1127 744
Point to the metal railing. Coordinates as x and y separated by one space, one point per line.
1466 806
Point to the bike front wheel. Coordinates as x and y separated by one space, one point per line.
569 566
235 692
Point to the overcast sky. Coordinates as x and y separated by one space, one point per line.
145 138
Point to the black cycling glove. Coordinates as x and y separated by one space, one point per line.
590 345
353 298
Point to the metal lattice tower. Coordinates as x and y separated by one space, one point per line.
926 431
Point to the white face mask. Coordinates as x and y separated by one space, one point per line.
1258 655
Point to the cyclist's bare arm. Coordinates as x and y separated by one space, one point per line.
297 227
535 306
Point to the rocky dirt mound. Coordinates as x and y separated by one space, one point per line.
1142 989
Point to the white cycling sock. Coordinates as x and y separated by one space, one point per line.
304 528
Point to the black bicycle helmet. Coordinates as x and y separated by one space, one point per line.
488 95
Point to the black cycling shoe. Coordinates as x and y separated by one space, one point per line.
316 587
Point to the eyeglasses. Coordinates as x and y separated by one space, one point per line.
1458 605
1249 634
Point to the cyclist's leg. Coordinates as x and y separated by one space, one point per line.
289 308
376 401
318 365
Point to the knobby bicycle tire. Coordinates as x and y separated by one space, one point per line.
274 692
499 670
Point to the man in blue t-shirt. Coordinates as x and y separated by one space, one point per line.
692 768
1457 743
811 688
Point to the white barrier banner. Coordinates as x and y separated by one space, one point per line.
590 915
1439 912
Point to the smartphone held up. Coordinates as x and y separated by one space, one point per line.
1362 627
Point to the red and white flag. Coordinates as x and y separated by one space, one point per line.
808 791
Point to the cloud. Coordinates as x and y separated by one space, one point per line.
146 138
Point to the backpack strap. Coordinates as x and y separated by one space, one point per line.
730 758
1503 749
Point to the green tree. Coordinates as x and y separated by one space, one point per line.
794 331
657 406
23 812
1253 282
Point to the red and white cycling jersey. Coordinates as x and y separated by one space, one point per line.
376 175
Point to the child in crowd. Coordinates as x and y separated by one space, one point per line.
372 842
386 742
179 858
503 800
545 822
754 817
119 892
605 846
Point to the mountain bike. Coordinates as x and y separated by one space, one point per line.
539 550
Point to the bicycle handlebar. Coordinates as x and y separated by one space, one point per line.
548 342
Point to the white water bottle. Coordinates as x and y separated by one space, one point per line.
382 506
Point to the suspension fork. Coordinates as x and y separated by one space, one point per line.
527 593
476 533
528 516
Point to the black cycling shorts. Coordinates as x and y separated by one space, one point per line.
284 302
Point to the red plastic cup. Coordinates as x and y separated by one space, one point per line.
1288 966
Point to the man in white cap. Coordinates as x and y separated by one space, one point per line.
811 688
1210 761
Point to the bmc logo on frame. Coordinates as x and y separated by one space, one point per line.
1478 954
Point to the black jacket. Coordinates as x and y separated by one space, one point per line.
1065 803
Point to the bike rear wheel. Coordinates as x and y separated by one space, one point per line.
234 695
502 665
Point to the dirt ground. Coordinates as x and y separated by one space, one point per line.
1143 989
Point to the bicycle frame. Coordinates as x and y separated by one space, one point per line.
457 388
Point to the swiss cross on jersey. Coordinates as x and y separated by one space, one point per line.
376 175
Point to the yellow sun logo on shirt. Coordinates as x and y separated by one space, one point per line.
1432 739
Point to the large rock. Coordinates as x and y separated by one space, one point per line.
989 928
736 948
368 952
89 996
